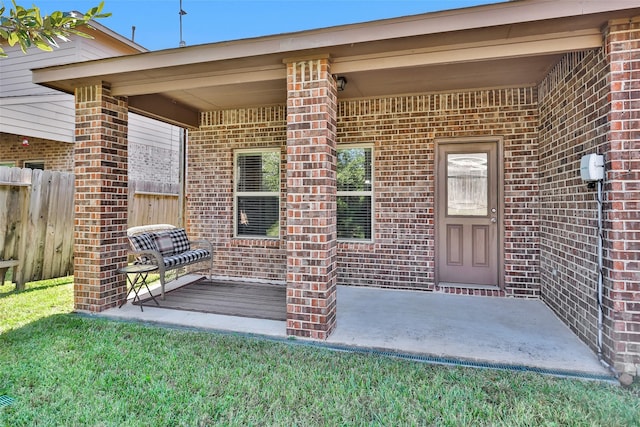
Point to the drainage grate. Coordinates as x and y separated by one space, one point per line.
405 356
6 401
461 362
487 365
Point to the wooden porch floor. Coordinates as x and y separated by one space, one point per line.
245 299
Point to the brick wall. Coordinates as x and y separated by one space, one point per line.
210 189
149 163
622 226
311 199
56 155
402 130
100 246
573 122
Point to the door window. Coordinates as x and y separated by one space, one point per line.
467 184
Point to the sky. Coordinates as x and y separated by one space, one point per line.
157 22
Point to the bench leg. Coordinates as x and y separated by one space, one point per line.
162 282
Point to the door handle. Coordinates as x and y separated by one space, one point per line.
494 220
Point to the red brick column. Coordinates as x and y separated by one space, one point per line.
100 198
311 199
622 200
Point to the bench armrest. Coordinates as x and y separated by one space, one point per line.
154 256
207 244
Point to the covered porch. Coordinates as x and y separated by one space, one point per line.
457 330
544 82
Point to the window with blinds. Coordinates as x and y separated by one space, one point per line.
257 193
355 192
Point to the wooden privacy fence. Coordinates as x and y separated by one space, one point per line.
153 203
36 223
37 216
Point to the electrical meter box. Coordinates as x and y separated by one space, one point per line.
592 167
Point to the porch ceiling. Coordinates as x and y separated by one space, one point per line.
367 83
473 48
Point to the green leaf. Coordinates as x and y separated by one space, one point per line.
27 27
13 39
80 34
56 16
43 46
38 17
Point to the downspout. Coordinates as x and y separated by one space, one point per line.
592 171
600 273
600 290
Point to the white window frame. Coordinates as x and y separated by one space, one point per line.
370 193
237 194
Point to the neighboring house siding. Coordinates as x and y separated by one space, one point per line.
35 110
15 82
47 117
54 114
403 130
573 122
154 150
31 109
89 49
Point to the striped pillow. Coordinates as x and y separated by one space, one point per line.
164 242
180 240
143 242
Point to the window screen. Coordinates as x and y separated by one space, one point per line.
355 193
257 204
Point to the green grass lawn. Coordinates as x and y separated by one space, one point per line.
64 369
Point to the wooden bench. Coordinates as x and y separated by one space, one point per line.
5 266
168 247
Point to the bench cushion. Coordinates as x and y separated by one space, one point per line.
173 245
187 257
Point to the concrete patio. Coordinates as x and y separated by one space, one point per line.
503 333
